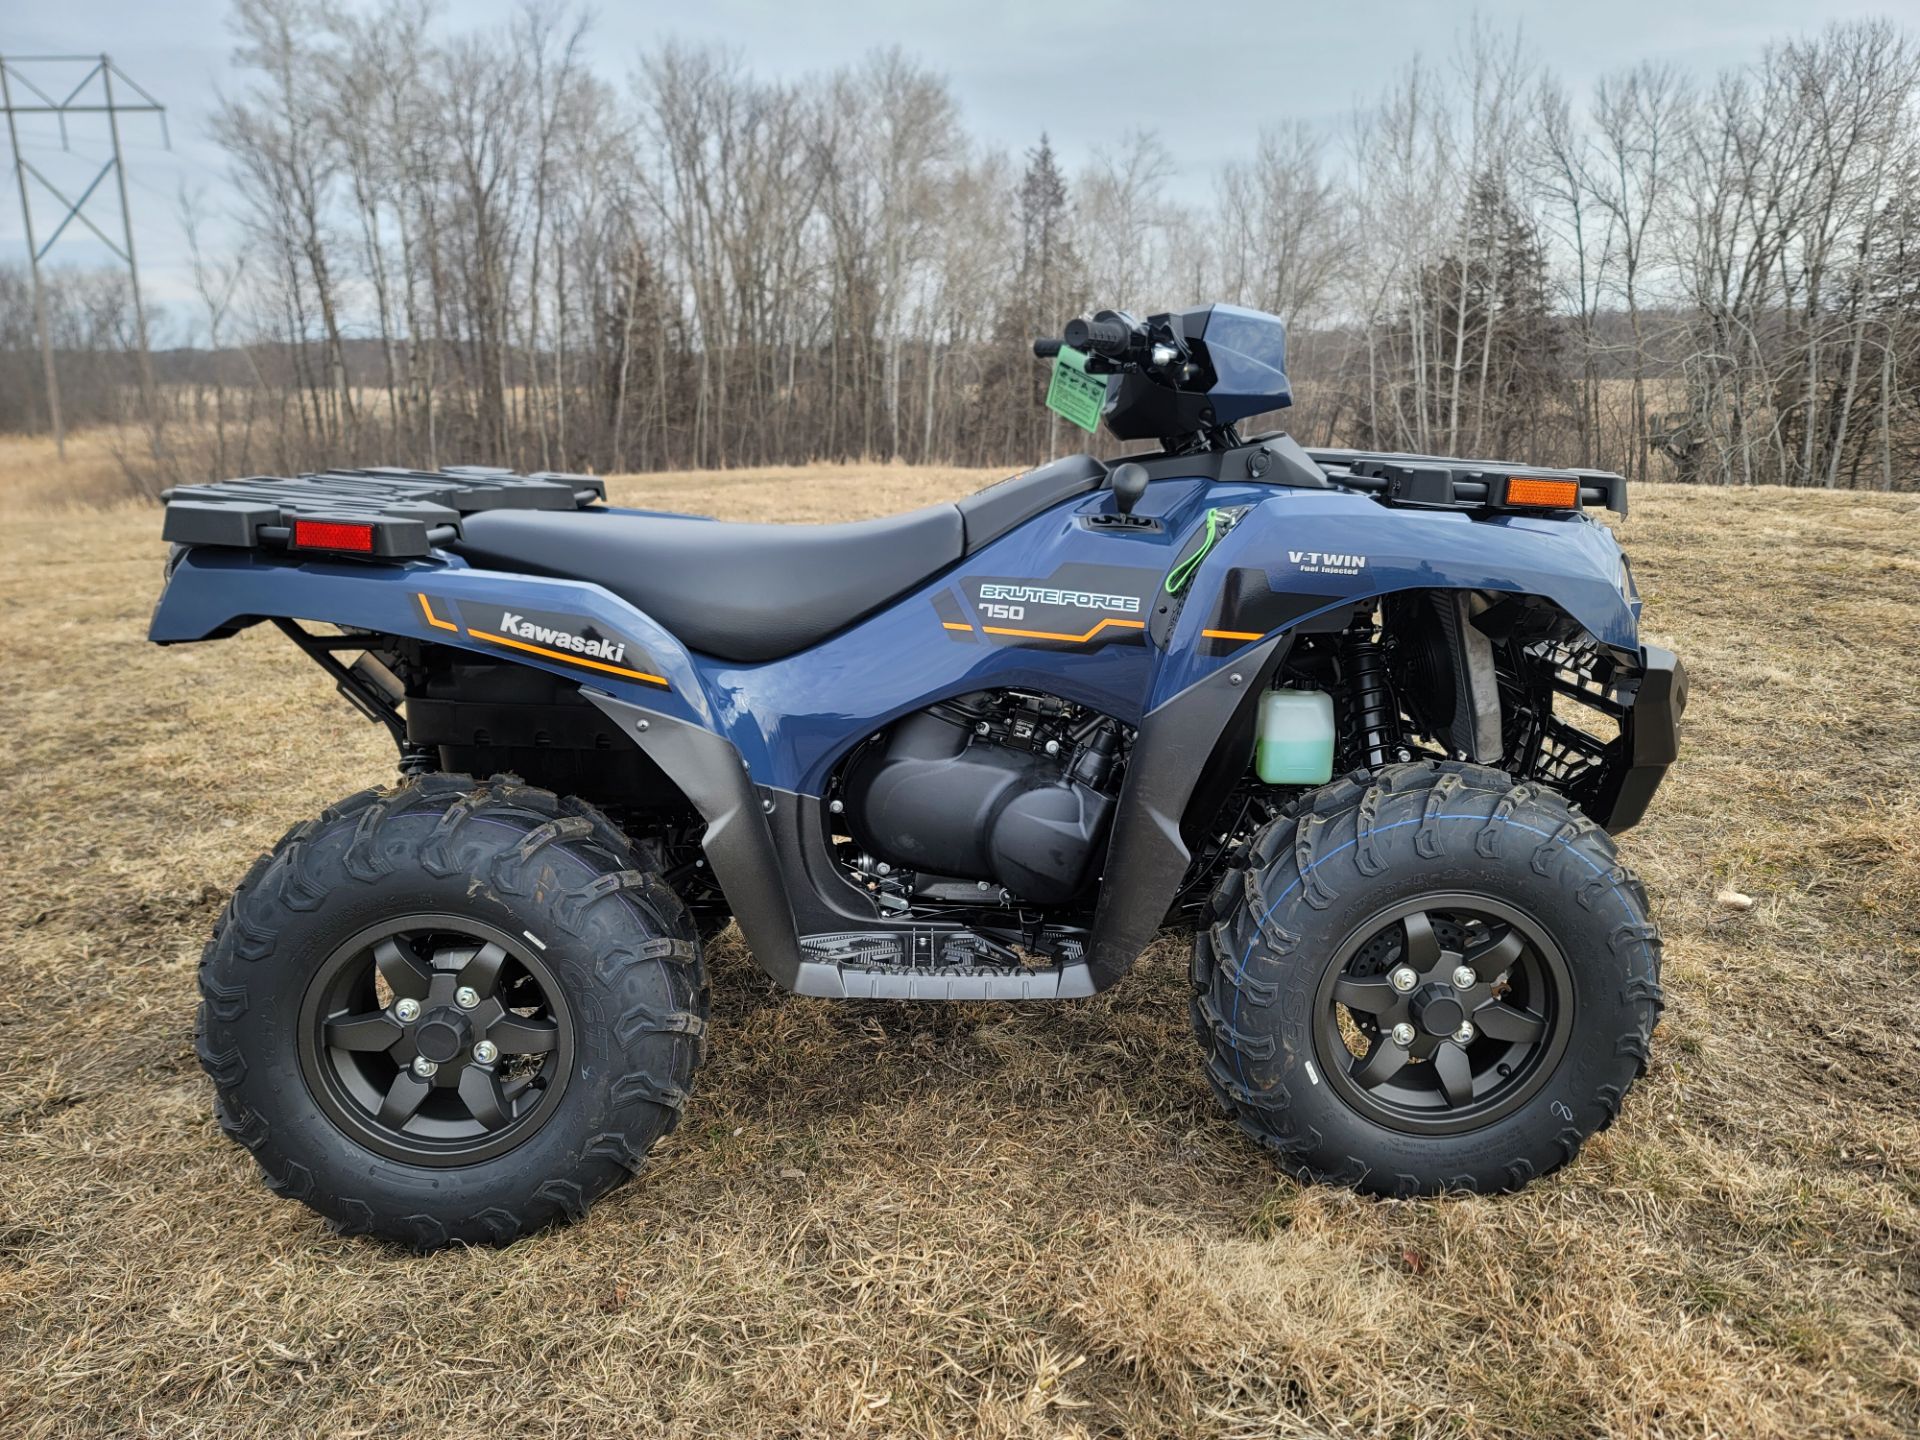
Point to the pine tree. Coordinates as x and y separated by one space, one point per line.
1045 291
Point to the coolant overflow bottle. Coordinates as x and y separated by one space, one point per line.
1294 744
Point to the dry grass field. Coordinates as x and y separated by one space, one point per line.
882 1220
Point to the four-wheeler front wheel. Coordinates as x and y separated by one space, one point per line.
1426 979
1442 1014
452 1011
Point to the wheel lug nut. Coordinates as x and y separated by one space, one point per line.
466 997
1464 978
424 1067
1403 1034
407 1011
486 1052
1465 1033
1404 979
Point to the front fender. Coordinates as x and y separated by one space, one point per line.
1298 554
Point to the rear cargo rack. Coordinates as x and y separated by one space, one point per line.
379 514
1441 481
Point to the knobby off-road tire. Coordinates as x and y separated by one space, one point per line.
1431 867
601 967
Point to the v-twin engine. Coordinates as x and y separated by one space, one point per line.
1012 789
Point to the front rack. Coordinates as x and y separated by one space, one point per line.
1441 481
379 514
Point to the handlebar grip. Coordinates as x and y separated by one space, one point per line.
1099 337
1046 349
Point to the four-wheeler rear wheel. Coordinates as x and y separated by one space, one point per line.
451 1012
1426 979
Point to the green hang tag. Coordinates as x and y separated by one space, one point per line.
1074 393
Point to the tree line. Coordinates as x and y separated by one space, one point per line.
468 246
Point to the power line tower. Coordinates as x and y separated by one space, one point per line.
93 95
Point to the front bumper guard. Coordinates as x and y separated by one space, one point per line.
1649 737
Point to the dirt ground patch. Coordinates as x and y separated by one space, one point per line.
974 1220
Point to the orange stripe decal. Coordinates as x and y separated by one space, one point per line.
433 619
955 625
1071 639
1230 634
570 659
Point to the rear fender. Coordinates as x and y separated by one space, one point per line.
626 664
568 627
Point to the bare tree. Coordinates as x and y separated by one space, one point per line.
1281 230
1122 219
1639 117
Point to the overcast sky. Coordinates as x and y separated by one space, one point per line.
1205 76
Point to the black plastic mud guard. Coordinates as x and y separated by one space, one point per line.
738 842
1148 857
1650 734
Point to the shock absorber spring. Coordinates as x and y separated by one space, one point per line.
1370 701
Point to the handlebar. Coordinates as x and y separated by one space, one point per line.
1113 342
1110 338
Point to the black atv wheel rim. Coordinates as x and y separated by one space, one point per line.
448 1078
1395 1050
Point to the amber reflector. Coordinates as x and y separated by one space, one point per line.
1548 494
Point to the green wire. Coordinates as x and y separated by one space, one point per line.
1178 577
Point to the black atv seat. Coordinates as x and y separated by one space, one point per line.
758 592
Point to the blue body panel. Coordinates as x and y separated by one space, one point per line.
793 719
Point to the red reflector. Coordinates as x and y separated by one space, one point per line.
1548 494
331 535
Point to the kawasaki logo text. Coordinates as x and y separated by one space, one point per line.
521 627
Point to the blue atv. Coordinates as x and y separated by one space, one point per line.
1361 724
